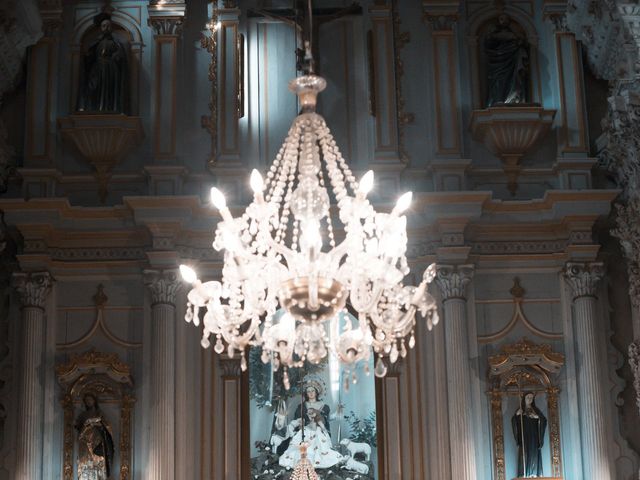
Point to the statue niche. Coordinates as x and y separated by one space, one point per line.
506 53
521 374
104 71
97 400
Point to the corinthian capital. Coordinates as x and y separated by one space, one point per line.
453 280
583 278
163 285
33 288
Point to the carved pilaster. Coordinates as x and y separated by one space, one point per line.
163 285
634 362
166 25
583 278
33 288
453 280
441 23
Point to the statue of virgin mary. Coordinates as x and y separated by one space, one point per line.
95 442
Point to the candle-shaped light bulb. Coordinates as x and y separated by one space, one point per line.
403 203
217 198
188 274
366 183
256 181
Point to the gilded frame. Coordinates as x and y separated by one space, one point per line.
524 365
105 375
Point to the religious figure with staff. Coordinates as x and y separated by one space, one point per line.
529 425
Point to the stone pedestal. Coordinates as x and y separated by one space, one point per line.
33 289
510 132
102 140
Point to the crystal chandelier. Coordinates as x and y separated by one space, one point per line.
291 251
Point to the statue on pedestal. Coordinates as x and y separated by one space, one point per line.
104 73
529 425
507 55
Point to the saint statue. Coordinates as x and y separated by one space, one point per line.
507 55
529 425
104 73
95 442
314 413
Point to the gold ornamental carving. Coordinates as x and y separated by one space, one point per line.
510 132
107 377
524 366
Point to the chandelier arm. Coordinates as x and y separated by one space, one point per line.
239 342
366 306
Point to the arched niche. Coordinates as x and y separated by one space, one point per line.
126 30
109 380
521 367
480 25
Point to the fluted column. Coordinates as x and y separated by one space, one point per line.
163 286
33 289
583 279
453 281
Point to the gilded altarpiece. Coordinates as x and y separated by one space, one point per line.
524 367
105 377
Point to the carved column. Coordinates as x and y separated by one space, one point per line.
166 22
163 286
33 289
453 281
594 428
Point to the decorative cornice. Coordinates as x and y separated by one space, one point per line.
583 278
453 280
525 352
33 288
163 285
95 362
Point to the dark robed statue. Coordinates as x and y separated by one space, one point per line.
103 76
507 55
95 442
529 425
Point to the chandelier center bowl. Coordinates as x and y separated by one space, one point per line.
294 296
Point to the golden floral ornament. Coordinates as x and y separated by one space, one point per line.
94 362
525 352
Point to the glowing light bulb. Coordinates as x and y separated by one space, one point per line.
256 182
366 183
217 198
188 274
403 203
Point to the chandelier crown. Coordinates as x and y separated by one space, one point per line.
295 284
